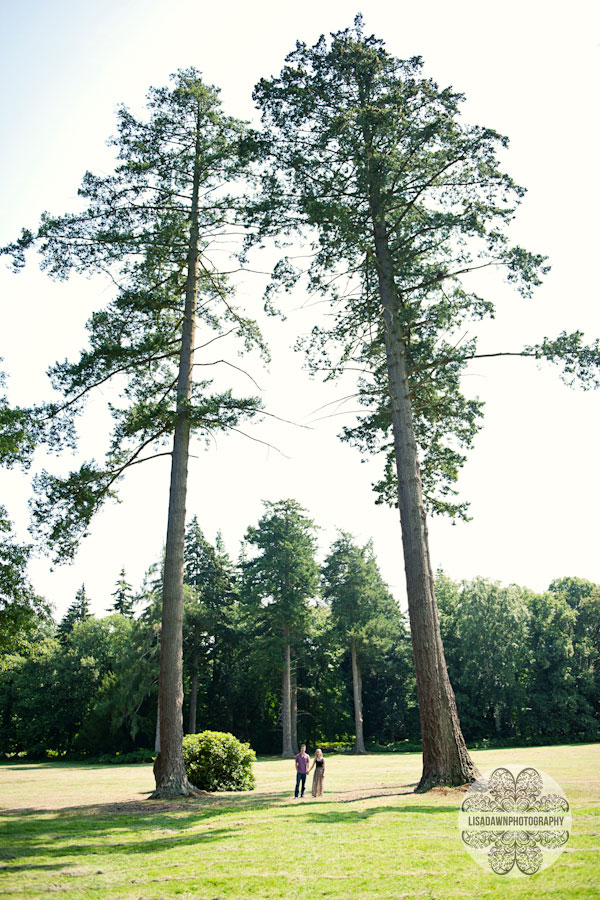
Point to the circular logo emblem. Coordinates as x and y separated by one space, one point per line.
515 821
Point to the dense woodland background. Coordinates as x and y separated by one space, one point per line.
524 666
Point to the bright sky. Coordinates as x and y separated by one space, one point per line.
529 70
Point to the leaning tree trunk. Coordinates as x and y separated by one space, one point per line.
286 697
359 746
446 760
171 778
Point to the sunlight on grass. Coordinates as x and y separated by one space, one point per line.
89 831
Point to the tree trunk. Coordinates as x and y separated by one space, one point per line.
193 696
446 760
286 712
497 719
359 745
294 711
171 780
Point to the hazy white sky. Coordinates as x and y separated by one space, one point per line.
528 69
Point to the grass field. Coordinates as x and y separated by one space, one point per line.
85 831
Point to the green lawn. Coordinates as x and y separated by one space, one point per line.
88 831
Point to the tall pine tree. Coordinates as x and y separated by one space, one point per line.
157 227
278 582
402 200
364 613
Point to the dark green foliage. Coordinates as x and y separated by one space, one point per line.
277 585
526 669
123 599
208 569
123 713
586 655
485 632
85 693
389 692
209 633
362 609
78 611
523 665
283 575
552 703
217 761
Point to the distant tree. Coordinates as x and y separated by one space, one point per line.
208 626
123 599
485 630
122 712
155 227
279 581
574 590
552 703
586 657
78 611
363 611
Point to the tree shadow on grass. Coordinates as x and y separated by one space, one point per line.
50 839
344 816
205 807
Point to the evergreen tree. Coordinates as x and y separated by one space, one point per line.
403 200
155 226
208 622
123 597
364 613
278 582
78 611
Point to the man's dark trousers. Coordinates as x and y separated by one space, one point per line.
300 777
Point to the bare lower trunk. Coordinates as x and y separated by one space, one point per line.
359 746
157 731
171 778
446 760
497 719
286 710
294 711
193 696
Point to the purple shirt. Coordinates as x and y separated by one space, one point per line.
302 763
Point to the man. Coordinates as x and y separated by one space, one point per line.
302 764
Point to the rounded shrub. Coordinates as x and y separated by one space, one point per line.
217 761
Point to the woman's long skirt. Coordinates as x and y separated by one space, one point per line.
317 785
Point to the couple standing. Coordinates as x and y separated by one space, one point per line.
302 770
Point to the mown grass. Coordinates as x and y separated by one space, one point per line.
89 832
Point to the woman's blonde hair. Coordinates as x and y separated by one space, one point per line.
317 751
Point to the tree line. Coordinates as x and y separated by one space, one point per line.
396 200
280 650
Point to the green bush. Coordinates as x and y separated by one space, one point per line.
335 746
217 761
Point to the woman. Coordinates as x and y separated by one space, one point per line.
319 767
